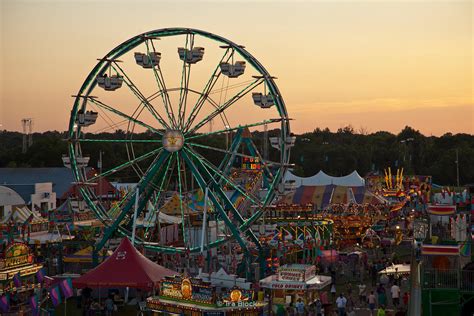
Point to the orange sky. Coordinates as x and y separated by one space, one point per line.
379 65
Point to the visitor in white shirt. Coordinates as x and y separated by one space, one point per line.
395 291
341 304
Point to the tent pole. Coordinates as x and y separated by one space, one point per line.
135 216
133 232
204 218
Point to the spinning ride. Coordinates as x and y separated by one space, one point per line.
186 120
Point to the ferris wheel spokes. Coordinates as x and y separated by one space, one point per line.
231 129
158 195
160 80
207 89
125 165
185 76
141 97
216 202
145 190
216 171
217 189
129 118
255 83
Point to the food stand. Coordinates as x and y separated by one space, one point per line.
18 260
293 282
181 295
18 278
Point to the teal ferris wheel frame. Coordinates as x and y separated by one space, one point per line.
206 174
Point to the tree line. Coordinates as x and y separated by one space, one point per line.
335 152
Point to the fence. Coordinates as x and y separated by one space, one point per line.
447 279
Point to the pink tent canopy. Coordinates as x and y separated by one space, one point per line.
126 267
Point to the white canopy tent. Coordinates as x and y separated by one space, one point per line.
321 178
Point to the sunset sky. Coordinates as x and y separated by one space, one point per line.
377 65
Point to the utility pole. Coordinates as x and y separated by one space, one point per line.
27 124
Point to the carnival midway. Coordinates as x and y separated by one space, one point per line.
218 222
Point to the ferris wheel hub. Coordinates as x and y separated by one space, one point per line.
173 140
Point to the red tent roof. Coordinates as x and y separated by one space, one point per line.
125 268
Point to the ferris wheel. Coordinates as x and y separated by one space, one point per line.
185 107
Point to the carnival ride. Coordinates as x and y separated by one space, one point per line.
203 193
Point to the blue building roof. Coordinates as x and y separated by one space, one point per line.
61 178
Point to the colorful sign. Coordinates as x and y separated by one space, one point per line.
296 273
16 254
189 289
251 163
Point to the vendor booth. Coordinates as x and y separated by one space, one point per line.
126 267
182 295
293 282
18 262
20 277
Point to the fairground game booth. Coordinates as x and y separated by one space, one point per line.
293 282
180 295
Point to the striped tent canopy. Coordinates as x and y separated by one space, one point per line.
435 250
323 196
440 209
22 214
85 255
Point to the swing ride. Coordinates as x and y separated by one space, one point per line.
202 181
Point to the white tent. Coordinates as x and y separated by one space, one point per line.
351 180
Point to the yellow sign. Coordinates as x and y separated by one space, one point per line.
186 289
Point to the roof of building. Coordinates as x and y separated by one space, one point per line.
24 190
9 197
61 177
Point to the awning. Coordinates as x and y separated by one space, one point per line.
318 282
446 250
442 209
396 269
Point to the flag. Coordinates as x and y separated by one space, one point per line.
34 305
289 236
277 235
465 249
17 280
317 237
40 275
300 240
66 288
5 303
55 295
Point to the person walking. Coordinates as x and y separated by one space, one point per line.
341 305
395 292
371 301
381 311
300 308
406 299
382 296
319 307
